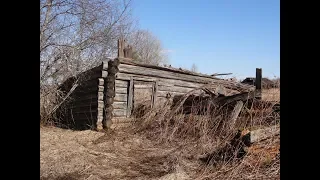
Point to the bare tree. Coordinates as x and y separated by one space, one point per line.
76 35
194 68
147 48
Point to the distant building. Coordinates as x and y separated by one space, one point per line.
266 83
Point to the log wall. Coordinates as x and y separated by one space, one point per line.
164 82
84 107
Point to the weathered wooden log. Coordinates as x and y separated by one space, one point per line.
128 62
109 101
125 68
235 113
110 93
262 134
109 109
238 97
119 112
120 83
120 97
120 105
120 90
110 79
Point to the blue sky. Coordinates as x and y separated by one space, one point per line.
219 36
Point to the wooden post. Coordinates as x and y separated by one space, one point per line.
154 94
120 48
130 98
258 82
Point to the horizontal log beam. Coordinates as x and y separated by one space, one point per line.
120 83
119 113
120 105
121 97
174 89
125 68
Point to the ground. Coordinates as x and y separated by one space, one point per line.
91 155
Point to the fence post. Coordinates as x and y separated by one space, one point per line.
258 83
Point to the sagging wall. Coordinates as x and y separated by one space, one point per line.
158 84
84 106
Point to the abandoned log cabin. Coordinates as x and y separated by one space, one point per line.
111 91
116 89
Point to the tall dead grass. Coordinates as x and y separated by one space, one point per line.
168 143
198 145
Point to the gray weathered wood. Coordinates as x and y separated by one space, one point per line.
238 97
125 68
120 90
120 83
109 109
120 105
220 90
105 64
171 94
130 98
122 120
175 89
128 62
179 83
100 104
127 76
262 134
121 46
100 81
104 74
109 101
121 97
100 88
110 93
235 113
143 86
119 112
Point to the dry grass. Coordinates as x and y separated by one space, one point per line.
164 144
272 94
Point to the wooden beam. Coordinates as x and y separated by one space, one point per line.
235 113
258 83
119 113
131 69
120 105
262 134
121 90
120 47
128 62
130 98
238 97
154 94
120 83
